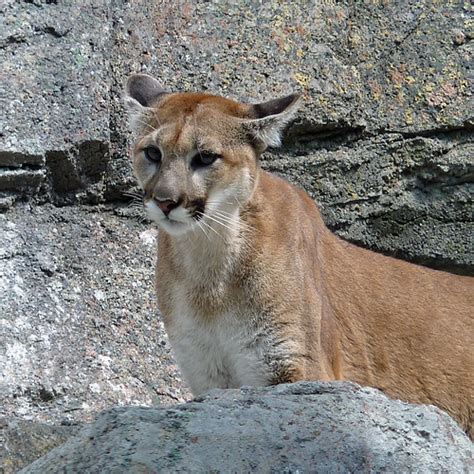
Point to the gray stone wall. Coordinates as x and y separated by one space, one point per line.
383 142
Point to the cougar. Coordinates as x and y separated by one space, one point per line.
252 286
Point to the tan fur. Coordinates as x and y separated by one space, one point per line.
276 285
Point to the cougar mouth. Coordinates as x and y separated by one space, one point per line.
180 219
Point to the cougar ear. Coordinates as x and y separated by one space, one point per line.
141 92
270 119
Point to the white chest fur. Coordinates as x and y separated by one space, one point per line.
218 353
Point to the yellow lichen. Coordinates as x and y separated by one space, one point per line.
430 87
355 39
302 79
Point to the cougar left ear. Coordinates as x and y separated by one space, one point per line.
144 89
271 118
141 92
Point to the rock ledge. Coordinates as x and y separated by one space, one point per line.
309 426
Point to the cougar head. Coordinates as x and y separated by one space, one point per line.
196 155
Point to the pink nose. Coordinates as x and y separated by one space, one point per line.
166 206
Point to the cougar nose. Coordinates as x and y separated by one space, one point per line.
166 205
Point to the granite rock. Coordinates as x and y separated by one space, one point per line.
394 90
56 104
22 441
304 427
79 328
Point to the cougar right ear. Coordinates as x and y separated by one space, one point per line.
141 92
270 118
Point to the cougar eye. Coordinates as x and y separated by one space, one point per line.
153 154
204 158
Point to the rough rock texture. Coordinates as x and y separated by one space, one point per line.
22 442
304 427
55 124
384 143
79 329
387 123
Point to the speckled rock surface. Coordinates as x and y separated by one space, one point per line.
393 90
79 319
22 442
79 329
55 125
402 70
304 427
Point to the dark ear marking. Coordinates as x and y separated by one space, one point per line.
275 106
268 119
144 89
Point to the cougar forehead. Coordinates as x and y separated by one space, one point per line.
182 122
182 104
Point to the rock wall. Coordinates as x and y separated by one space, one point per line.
383 142
24 441
56 135
79 329
304 427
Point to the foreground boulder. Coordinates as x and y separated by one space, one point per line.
309 426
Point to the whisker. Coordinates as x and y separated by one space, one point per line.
133 193
136 200
229 219
219 202
234 219
223 221
134 206
239 203
217 221
212 228
203 230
